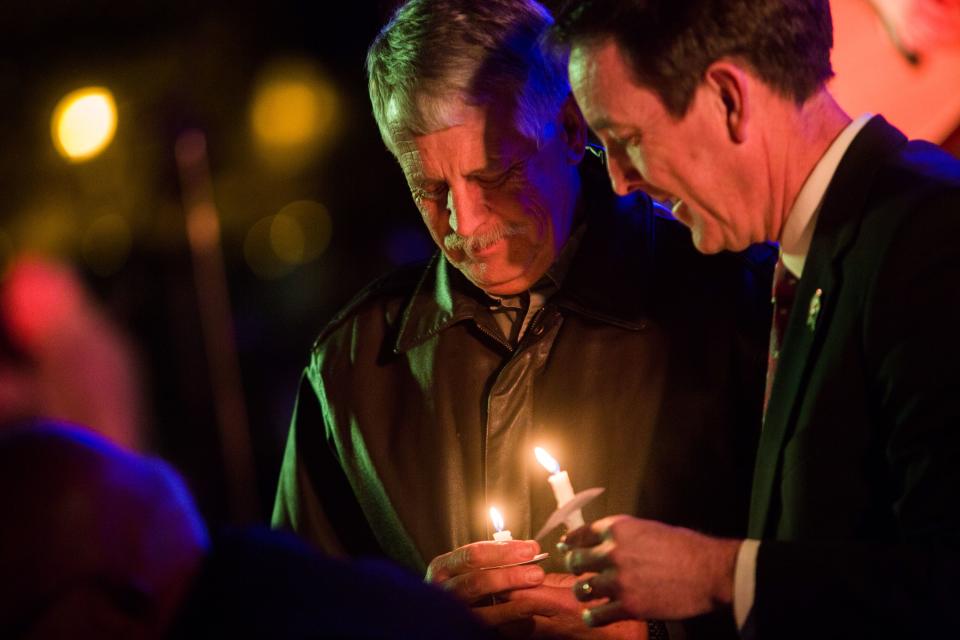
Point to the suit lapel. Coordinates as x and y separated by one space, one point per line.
837 227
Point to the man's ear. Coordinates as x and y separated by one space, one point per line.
730 88
573 128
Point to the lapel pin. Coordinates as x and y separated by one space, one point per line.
814 311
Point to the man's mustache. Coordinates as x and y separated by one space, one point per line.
483 239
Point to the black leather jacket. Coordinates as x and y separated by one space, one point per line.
644 374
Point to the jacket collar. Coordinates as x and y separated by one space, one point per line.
605 280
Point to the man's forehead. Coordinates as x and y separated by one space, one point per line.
607 89
596 74
483 139
408 156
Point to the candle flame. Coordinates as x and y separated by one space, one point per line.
549 462
497 519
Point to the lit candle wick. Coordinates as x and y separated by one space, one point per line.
548 461
501 535
560 483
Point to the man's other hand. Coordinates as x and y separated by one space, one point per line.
649 570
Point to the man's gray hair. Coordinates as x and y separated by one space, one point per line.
436 54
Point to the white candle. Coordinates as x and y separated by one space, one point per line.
560 483
501 534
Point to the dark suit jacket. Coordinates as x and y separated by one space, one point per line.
857 484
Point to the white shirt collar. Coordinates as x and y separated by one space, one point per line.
798 230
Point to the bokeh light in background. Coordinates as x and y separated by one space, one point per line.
280 93
84 123
297 234
294 113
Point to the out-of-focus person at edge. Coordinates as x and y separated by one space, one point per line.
853 527
553 314
103 543
920 27
62 357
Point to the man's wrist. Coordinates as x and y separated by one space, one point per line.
724 563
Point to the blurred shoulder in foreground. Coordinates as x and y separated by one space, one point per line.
109 544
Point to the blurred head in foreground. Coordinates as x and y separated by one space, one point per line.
103 543
97 542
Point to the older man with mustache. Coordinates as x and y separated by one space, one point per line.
554 314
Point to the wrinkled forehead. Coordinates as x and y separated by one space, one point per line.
480 136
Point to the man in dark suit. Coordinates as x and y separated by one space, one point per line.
720 106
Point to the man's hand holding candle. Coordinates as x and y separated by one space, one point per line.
479 570
466 572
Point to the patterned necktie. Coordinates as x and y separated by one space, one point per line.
784 293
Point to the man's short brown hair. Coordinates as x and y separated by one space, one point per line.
671 43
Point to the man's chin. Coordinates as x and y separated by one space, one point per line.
709 250
509 289
706 243
498 284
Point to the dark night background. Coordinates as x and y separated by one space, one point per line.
173 66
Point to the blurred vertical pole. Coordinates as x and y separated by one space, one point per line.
203 232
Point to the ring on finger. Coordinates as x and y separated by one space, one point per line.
601 585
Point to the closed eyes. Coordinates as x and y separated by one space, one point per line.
434 193
437 192
632 140
498 179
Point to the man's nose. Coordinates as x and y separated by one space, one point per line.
624 177
468 209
